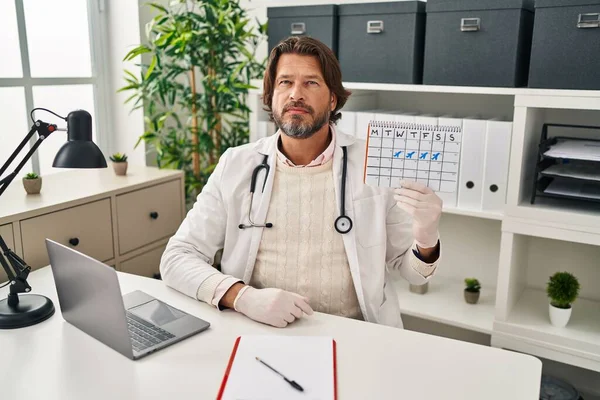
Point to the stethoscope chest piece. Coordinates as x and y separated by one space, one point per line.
343 224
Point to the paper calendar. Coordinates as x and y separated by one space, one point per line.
404 151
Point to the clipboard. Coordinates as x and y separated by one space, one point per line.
311 361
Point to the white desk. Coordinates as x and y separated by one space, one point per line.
54 360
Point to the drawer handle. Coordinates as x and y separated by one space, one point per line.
589 20
374 26
298 28
74 242
154 215
470 24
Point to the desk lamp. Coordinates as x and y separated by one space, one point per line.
79 152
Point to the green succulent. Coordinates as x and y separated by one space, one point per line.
562 289
472 285
32 175
118 157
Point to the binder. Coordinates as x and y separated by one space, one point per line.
362 123
427 119
450 198
310 361
470 189
398 151
381 115
408 118
347 123
495 173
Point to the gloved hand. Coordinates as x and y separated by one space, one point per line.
425 207
274 307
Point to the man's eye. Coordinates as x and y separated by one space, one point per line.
312 83
284 82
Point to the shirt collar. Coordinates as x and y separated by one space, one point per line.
321 158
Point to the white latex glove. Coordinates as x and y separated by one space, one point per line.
274 307
425 207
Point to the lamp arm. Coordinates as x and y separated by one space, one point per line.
16 268
44 130
18 149
18 278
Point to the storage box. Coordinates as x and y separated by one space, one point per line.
478 42
382 42
319 22
566 45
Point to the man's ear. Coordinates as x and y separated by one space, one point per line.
333 101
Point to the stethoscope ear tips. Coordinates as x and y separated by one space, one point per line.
241 226
269 225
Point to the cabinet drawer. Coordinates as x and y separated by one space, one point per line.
86 228
7 234
149 214
145 264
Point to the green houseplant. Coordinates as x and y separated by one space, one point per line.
32 183
472 290
562 289
193 90
119 163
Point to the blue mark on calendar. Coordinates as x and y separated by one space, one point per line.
423 155
410 155
397 155
435 156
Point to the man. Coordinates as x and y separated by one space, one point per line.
283 256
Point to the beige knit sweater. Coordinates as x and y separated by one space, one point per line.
303 253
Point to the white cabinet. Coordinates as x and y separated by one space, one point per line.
123 221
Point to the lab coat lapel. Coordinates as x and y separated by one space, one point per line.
262 199
349 238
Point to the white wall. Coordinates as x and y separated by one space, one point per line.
123 34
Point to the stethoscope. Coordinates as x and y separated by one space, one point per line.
343 223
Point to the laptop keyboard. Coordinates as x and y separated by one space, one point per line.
144 334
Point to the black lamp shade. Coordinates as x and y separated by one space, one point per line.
79 151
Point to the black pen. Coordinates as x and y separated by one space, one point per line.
293 383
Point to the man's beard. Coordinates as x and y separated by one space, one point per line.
296 127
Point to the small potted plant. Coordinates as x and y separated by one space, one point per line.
562 289
119 162
472 290
32 183
420 289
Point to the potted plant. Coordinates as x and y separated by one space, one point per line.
32 183
562 289
197 62
419 289
119 163
472 290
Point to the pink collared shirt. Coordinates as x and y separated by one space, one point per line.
321 158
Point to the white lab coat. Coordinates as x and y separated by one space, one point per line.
377 246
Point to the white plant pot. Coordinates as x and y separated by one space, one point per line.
559 317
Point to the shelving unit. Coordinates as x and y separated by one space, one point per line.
529 322
444 303
515 251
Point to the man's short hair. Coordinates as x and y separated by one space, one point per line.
330 69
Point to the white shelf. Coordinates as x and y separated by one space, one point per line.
444 302
529 321
474 213
571 221
530 95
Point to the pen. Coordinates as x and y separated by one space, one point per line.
293 383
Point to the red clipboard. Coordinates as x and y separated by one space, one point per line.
232 358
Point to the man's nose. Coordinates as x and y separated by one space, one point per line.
297 92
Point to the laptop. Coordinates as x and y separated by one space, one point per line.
135 325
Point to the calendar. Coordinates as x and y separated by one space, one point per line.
398 151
